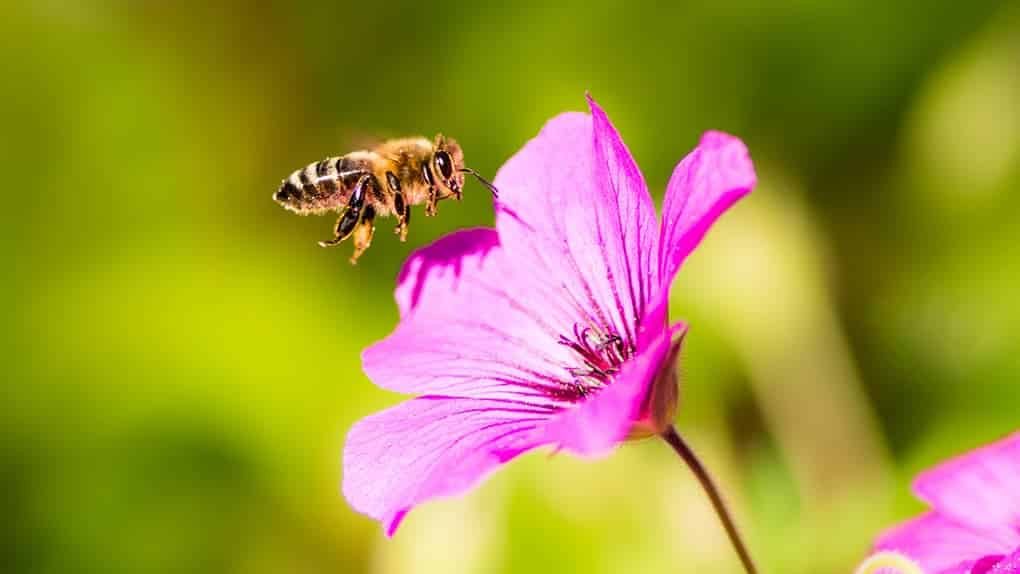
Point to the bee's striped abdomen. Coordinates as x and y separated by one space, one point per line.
321 186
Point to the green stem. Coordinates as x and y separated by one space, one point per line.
673 439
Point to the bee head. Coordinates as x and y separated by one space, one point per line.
448 167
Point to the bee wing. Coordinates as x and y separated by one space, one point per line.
356 139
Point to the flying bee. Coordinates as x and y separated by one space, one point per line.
386 180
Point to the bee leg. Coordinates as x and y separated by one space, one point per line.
344 227
430 204
405 223
403 215
363 233
352 214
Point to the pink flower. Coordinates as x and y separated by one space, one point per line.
974 527
550 329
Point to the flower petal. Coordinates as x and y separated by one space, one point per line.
574 212
472 326
627 211
703 186
1008 565
430 447
980 488
432 274
937 543
982 565
595 426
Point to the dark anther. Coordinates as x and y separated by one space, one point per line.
600 356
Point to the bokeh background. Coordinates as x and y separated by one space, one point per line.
182 361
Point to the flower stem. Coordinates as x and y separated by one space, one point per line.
680 446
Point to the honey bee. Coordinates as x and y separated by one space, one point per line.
386 180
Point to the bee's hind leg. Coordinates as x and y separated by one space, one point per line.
345 225
351 215
363 233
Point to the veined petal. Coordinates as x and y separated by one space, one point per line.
703 186
626 210
432 275
430 447
472 326
939 544
980 488
575 214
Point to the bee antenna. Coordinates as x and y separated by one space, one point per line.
482 180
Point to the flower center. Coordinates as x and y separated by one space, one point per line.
601 354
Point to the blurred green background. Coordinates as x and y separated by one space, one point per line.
183 360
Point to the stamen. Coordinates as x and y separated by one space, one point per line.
600 354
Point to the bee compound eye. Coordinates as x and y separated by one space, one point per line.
444 164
